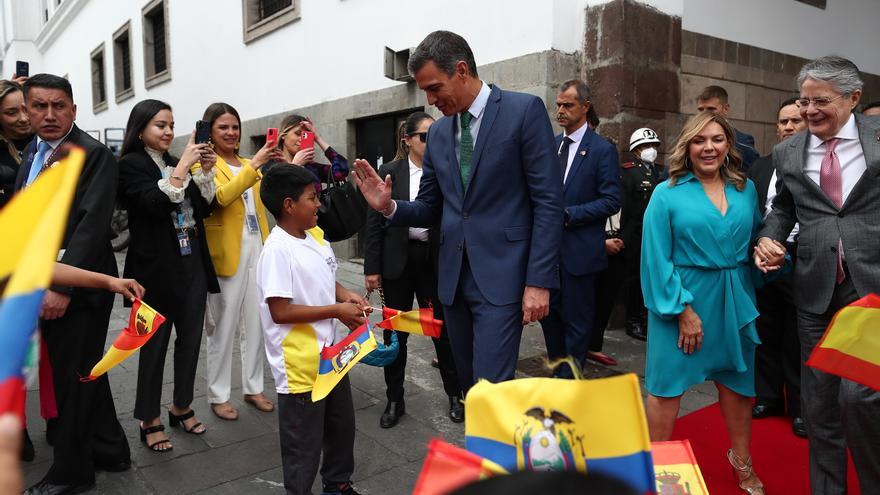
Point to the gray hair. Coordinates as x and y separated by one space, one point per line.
582 89
840 73
445 49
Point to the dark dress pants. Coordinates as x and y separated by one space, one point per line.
778 358
568 326
188 318
608 284
838 413
484 337
418 280
633 297
306 429
87 430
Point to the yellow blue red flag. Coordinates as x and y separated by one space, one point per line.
553 424
851 345
33 224
143 321
339 359
448 468
676 469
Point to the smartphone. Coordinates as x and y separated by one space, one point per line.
22 68
307 140
272 136
203 131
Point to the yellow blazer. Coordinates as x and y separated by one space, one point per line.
223 228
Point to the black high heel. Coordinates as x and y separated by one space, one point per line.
155 445
175 421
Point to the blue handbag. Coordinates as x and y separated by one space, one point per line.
383 355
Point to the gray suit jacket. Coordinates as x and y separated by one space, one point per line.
856 223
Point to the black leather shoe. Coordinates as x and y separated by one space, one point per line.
393 412
456 409
636 330
46 488
27 448
761 411
798 427
113 466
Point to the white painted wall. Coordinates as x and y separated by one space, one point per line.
335 50
850 28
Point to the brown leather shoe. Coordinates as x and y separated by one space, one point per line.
225 411
260 402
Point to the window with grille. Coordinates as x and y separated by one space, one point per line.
269 8
261 17
99 84
156 51
122 62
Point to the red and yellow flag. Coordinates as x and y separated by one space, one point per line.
448 468
142 325
418 321
676 469
851 345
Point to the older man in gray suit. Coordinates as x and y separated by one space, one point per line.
831 178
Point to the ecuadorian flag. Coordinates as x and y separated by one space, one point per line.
340 358
143 321
419 321
552 425
851 345
33 226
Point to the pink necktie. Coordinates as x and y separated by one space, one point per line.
831 184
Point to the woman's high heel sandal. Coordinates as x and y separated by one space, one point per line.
175 420
745 475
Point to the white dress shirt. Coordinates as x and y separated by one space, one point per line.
849 153
415 178
768 206
576 138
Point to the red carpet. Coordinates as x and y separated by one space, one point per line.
780 458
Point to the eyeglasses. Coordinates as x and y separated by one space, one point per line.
423 136
818 102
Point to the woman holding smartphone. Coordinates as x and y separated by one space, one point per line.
167 200
297 141
236 231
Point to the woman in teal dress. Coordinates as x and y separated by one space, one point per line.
699 285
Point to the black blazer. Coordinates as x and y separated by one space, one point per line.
154 254
761 172
385 248
86 241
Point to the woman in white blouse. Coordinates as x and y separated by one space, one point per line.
167 200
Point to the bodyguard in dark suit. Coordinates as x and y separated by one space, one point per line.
402 261
778 359
490 173
591 193
74 321
831 187
714 99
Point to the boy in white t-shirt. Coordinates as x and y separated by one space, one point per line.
300 302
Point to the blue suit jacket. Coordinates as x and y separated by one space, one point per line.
508 220
592 193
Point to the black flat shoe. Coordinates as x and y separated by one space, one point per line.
115 466
46 488
798 427
175 421
456 409
760 411
27 447
393 411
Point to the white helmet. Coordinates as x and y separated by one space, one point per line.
642 136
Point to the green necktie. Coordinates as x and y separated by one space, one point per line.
466 148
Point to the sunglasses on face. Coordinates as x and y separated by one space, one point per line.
423 136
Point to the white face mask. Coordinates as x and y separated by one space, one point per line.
648 155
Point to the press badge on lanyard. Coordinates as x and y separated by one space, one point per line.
250 216
182 237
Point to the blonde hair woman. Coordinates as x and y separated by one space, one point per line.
15 134
698 284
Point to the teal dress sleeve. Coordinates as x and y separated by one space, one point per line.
661 284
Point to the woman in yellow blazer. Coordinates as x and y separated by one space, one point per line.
235 232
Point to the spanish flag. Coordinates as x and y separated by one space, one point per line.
676 469
418 321
340 358
551 424
448 468
32 224
851 345
143 321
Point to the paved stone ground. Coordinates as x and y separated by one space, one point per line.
244 455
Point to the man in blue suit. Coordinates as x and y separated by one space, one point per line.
591 194
490 177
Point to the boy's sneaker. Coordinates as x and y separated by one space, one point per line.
339 489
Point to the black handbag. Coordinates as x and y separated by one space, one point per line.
343 210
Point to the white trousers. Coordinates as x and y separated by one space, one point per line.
236 307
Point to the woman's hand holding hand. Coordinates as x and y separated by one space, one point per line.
690 331
769 255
